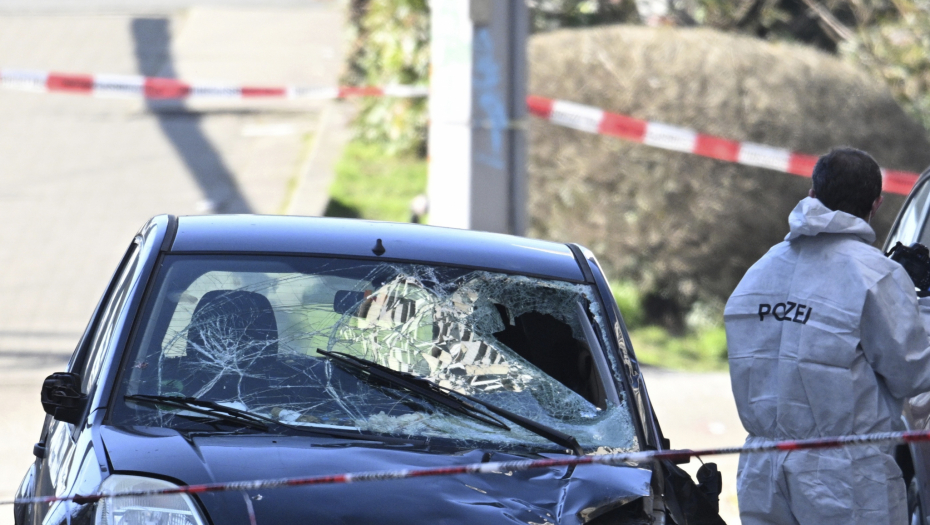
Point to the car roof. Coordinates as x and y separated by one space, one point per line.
357 238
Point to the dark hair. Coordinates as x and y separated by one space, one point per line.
849 180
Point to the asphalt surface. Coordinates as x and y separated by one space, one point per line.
135 7
697 411
79 176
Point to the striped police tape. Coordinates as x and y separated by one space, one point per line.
665 136
133 86
629 458
564 113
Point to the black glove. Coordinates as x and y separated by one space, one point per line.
710 482
916 261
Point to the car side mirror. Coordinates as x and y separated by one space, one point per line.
62 398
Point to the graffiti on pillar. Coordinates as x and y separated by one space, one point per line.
490 97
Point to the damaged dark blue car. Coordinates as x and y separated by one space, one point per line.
237 348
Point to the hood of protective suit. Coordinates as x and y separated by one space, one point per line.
810 217
825 338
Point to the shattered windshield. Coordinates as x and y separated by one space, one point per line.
246 331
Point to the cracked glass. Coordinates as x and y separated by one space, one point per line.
245 332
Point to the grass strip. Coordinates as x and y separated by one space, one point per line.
702 351
371 184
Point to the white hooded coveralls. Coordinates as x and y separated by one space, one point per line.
825 338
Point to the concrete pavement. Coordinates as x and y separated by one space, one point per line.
136 7
697 410
79 176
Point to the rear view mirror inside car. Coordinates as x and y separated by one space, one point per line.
346 301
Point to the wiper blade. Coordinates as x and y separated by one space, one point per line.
212 408
415 384
208 408
556 436
454 399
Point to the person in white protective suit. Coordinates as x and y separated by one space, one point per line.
826 338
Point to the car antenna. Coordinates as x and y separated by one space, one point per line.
379 248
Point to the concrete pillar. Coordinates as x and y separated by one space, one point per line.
477 143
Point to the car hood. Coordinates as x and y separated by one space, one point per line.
550 495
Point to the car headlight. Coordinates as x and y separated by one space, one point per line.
167 509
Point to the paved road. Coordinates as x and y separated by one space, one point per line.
136 7
79 176
697 410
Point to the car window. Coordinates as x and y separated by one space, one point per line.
912 220
107 322
247 332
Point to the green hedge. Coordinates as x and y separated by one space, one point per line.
390 46
371 184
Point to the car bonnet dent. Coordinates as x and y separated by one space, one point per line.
248 340
551 495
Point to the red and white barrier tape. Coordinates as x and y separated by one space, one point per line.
131 86
665 136
561 112
502 466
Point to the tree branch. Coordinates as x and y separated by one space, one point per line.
840 31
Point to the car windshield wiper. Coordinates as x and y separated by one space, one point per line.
208 408
226 413
417 385
454 400
556 436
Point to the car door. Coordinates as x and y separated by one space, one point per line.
911 224
909 227
68 463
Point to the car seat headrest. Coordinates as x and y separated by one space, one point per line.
233 321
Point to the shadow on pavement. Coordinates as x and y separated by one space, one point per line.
153 53
29 360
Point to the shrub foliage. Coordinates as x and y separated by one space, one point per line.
390 46
686 228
